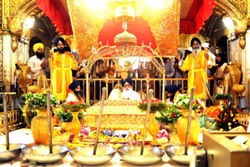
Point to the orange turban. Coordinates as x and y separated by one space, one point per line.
37 46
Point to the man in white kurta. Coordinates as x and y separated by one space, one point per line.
38 63
128 92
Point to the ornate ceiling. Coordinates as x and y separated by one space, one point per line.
157 27
192 19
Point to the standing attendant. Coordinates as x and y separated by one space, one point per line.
38 63
62 63
196 63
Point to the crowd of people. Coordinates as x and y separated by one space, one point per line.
64 68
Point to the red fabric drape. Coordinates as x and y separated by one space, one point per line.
199 12
58 15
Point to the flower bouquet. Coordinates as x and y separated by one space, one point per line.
198 106
37 101
74 106
183 102
65 115
156 105
226 120
34 102
169 115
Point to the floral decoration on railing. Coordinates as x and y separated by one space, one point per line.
74 106
156 105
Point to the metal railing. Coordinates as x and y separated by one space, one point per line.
96 85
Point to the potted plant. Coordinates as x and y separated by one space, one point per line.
39 124
75 108
169 117
63 115
35 102
183 102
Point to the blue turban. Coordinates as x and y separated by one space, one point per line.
195 39
171 88
59 39
74 85
127 80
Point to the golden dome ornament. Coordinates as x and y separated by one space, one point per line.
125 37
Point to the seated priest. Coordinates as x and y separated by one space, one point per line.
75 93
171 92
116 93
128 92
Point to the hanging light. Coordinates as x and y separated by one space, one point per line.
228 22
29 22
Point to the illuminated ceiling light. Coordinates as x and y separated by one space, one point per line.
228 22
29 22
96 5
76 3
156 4
124 13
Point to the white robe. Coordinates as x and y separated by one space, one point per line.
71 97
130 94
115 94
35 64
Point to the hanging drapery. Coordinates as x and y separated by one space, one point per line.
199 11
58 15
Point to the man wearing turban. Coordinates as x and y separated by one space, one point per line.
75 93
38 63
196 63
62 63
128 92
171 90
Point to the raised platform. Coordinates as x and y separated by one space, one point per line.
117 114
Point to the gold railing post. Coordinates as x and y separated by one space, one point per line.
107 85
163 84
87 88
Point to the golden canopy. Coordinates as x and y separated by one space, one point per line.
87 23
94 21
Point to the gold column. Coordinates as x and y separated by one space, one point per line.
7 73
